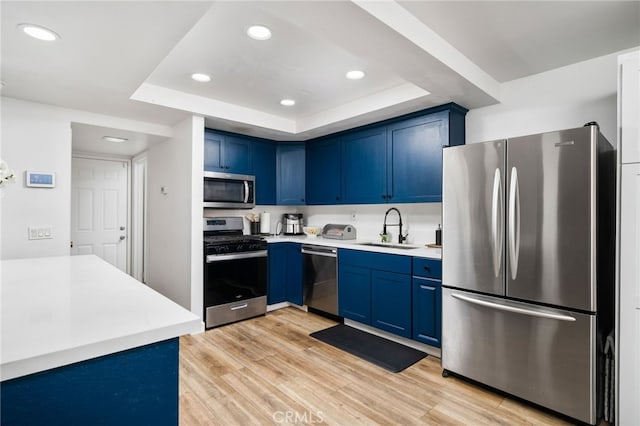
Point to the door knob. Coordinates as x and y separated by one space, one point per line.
122 237
122 228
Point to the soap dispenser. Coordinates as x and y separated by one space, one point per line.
439 235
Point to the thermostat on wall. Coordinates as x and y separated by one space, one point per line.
41 179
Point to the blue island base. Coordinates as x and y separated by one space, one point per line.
134 387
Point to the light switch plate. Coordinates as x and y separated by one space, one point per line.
39 233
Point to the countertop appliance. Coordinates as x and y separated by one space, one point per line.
527 266
229 191
339 232
292 224
320 272
235 272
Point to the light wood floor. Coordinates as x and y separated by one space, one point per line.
269 371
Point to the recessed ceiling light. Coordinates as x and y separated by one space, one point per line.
287 102
114 139
355 75
202 78
39 32
259 32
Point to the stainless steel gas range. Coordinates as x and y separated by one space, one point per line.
235 272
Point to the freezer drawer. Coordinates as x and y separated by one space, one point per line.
546 356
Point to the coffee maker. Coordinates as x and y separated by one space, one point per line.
292 223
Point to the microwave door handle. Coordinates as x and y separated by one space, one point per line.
246 192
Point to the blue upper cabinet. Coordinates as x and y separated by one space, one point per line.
399 160
264 169
364 166
237 155
226 153
213 151
324 171
415 159
290 174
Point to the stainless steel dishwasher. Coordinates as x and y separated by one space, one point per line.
320 276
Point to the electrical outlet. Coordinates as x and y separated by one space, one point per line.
39 233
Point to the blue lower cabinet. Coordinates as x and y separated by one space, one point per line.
134 387
294 274
427 310
375 289
276 287
285 273
354 293
391 302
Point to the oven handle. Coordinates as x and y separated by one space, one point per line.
330 252
235 256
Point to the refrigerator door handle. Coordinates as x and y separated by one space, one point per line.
515 309
496 222
514 223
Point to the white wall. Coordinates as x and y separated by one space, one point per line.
174 257
35 137
38 137
420 220
554 100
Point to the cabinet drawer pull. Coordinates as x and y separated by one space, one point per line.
426 268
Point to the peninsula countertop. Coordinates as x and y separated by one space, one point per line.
60 310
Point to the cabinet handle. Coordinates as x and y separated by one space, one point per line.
426 268
337 198
384 197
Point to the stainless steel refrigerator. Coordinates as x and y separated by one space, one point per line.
527 266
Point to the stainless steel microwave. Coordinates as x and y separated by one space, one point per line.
229 191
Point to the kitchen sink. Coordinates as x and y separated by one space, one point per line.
391 245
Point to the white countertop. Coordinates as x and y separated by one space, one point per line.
61 310
420 251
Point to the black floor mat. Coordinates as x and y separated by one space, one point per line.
389 355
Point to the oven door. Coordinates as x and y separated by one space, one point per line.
235 287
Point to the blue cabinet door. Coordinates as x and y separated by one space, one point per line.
277 285
236 155
391 302
264 169
290 169
294 273
364 167
285 273
415 159
324 172
354 292
226 153
213 143
427 311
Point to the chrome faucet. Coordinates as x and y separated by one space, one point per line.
401 237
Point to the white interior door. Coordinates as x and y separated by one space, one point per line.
99 209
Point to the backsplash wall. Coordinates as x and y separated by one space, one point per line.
420 219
